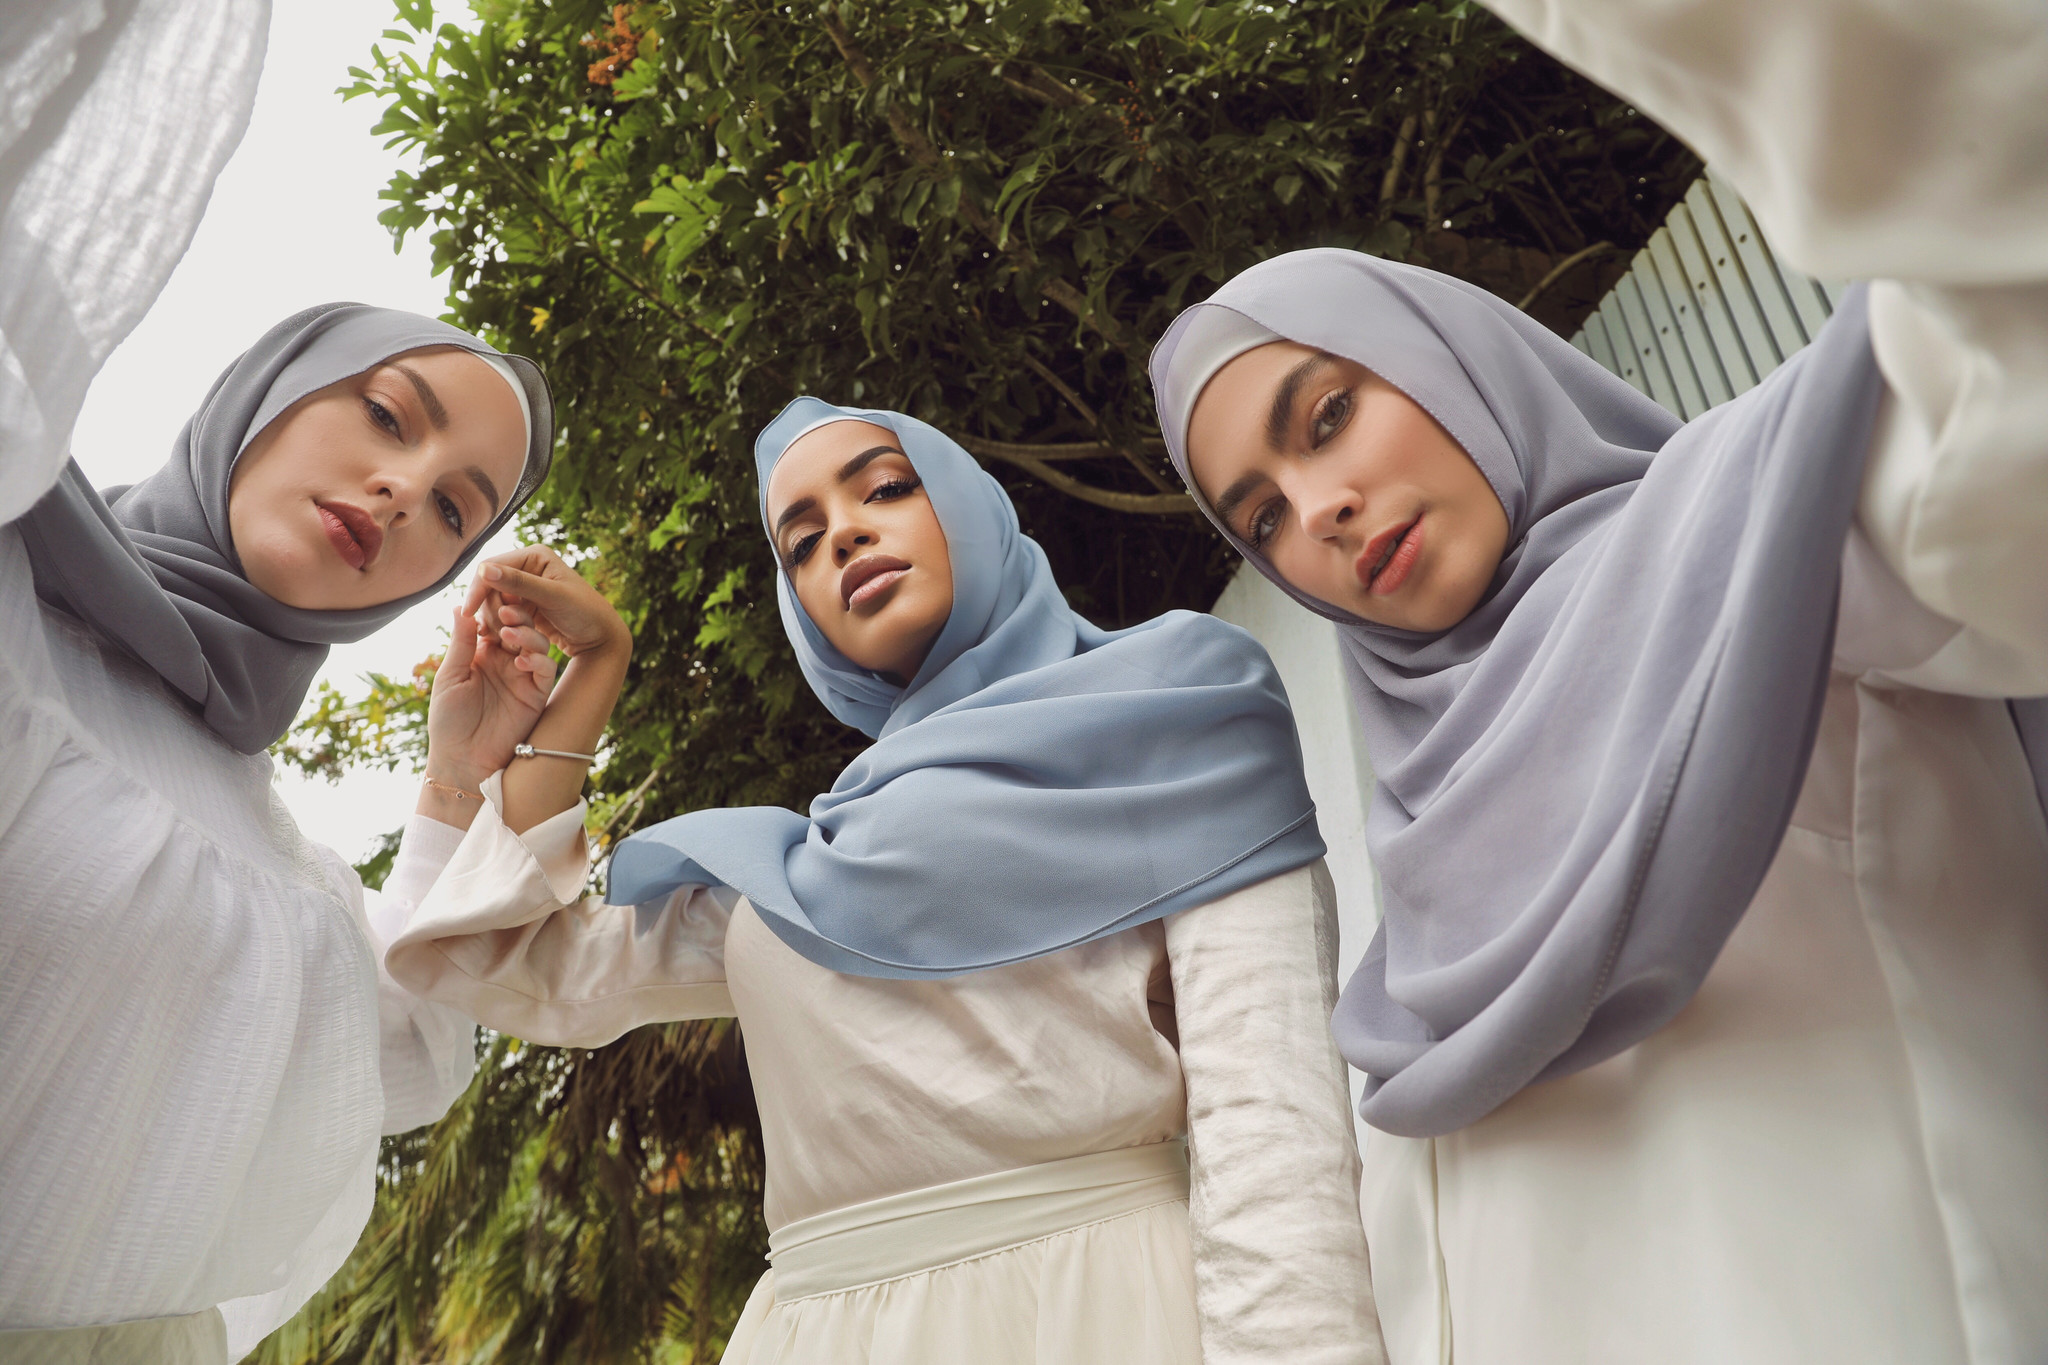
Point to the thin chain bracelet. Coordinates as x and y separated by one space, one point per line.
528 751
456 792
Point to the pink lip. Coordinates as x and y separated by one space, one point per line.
868 577
354 533
1379 579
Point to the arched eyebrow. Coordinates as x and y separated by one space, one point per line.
1280 417
431 401
484 486
846 471
1233 496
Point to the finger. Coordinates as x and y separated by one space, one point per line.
541 667
515 613
523 640
538 560
544 591
462 633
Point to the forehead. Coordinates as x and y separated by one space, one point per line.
807 467
484 418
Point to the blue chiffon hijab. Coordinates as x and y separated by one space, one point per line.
1039 783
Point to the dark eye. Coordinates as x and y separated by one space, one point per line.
381 415
894 489
1328 418
801 551
450 513
1263 522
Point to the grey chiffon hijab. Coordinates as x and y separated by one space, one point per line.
152 566
1581 785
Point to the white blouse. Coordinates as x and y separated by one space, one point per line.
1211 1023
1837 1154
198 1049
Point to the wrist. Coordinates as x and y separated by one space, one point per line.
453 772
448 803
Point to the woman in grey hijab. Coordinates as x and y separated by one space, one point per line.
1706 1007
201 1045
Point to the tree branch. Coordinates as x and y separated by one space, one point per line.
1404 139
1031 460
1557 272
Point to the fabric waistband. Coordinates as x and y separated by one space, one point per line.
190 1339
903 1234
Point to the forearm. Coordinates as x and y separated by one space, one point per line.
1872 138
1280 1257
577 712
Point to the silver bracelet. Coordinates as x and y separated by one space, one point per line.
528 751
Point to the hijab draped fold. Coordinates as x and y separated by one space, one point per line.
152 566
1581 785
1039 783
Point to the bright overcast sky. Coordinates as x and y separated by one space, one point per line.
293 222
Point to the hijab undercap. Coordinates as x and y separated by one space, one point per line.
152 565
1581 785
1039 783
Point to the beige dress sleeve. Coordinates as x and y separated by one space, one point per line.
1281 1272
507 936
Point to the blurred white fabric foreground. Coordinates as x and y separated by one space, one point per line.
115 117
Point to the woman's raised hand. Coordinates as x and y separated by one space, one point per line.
532 587
532 594
489 692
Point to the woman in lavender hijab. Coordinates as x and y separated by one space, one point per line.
1705 1018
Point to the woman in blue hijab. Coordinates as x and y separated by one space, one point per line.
1035 998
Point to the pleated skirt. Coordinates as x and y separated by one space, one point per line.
1074 1261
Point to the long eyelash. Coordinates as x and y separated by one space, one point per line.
896 488
1340 401
381 415
801 551
451 514
1255 533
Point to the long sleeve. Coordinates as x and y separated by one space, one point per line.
426 1051
506 937
1908 144
1281 1271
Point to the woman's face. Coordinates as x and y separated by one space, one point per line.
1347 487
863 548
366 491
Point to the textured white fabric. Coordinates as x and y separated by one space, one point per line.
870 1088
115 117
191 1339
1119 1292
927 1229
200 1049
1872 138
1859 1174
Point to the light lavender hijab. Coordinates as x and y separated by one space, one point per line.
152 566
1581 784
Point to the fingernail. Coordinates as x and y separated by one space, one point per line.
493 572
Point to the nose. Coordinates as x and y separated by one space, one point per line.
397 492
852 540
1327 507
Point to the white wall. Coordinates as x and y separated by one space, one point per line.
1304 649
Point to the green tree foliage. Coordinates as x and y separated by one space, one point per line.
691 211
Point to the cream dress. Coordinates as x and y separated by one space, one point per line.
1837 1154
988 1168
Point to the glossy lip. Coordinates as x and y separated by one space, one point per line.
355 534
866 578
1379 553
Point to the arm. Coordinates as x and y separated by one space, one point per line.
426 1051
1906 143
507 937
1281 1272
1873 139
